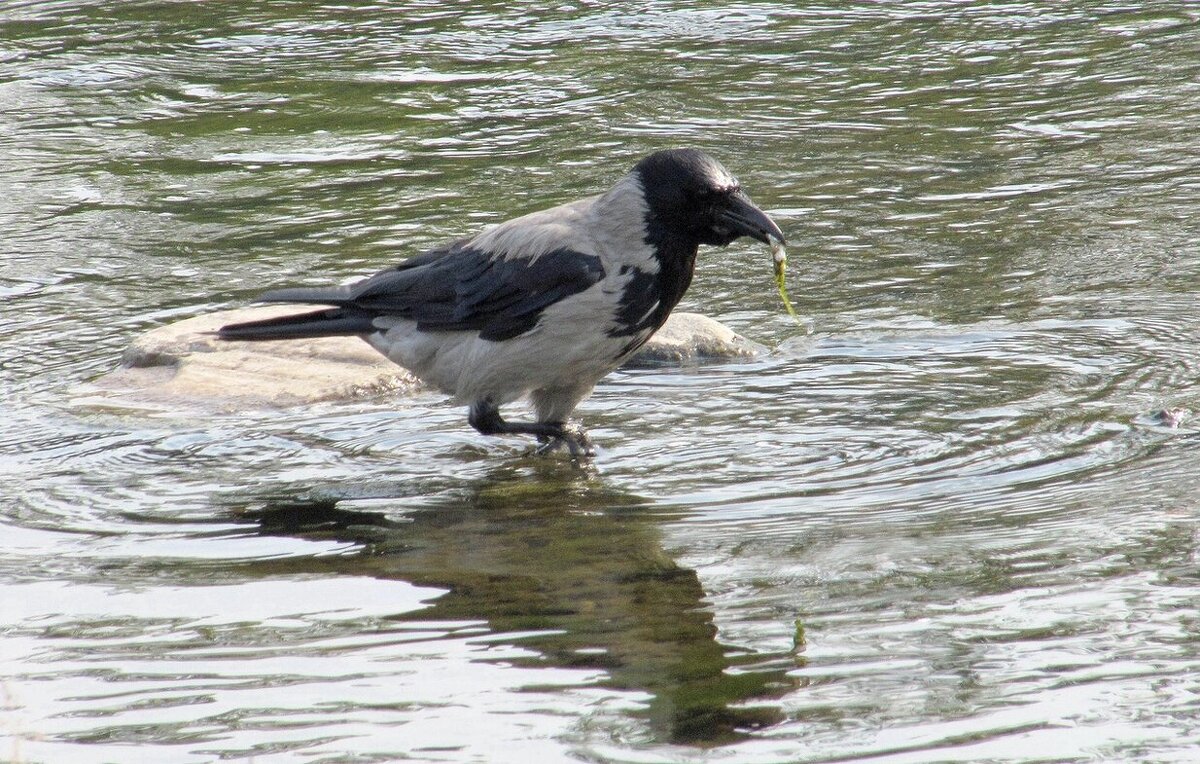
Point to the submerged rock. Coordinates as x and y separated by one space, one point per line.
1171 418
186 364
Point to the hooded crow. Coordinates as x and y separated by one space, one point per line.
544 305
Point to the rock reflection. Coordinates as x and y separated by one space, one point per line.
550 551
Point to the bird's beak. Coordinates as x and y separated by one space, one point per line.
744 219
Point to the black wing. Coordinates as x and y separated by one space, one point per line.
462 287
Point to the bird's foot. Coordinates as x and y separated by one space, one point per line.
574 439
485 417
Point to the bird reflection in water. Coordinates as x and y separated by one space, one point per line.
577 569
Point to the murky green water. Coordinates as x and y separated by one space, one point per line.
946 523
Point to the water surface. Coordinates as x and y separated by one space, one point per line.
952 518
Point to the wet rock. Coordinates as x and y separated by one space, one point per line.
186 364
693 338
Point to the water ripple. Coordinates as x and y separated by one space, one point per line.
954 514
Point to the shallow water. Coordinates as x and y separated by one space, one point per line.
953 518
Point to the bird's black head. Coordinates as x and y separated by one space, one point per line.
692 197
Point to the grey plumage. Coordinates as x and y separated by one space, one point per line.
541 306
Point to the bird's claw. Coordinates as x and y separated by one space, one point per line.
574 439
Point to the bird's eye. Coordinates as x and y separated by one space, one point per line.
711 195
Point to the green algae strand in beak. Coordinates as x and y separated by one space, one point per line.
779 256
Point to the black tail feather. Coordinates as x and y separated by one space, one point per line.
328 322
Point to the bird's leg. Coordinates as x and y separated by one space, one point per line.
485 417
